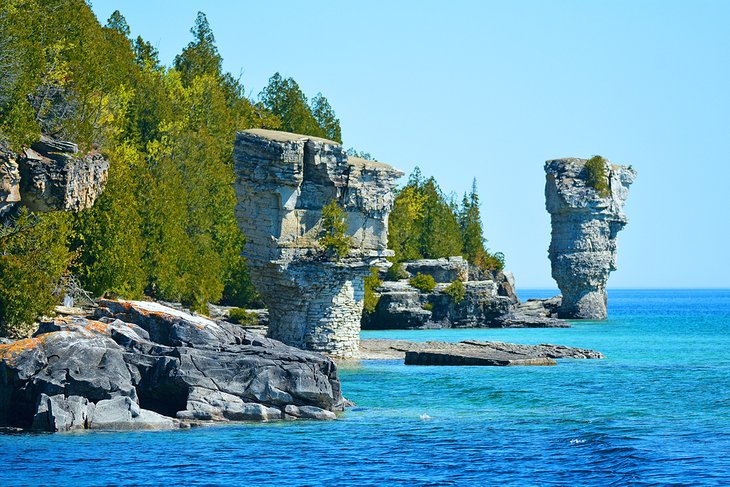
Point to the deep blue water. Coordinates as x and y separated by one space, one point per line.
655 411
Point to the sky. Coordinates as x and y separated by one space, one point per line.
491 89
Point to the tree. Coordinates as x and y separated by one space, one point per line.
470 221
326 119
597 175
201 54
32 262
284 98
118 23
441 234
333 237
145 54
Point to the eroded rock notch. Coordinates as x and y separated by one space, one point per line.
585 223
283 181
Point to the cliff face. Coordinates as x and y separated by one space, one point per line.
585 224
50 176
282 182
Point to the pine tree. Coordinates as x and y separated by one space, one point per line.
326 119
201 54
471 225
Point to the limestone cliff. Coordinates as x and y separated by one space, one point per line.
585 224
282 182
50 176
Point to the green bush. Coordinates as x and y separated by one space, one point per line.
333 238
371 298
456 291
242 317
396 272
423 282
427 306
598 175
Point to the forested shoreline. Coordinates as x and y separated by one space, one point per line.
164 226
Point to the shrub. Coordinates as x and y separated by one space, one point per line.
242 317
423 282
427 306
334 225
396 272
597 175
371 298
456 291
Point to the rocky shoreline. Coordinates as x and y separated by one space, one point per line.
142 365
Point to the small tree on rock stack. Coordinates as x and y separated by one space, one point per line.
333 238
597 175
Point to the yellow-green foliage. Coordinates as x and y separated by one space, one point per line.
427 306
31 263
423 282
242 317
370 302
333 238
165 224
456 290
598 175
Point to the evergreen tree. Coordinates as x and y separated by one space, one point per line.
118 23
201 54
326 119
470 221
284 98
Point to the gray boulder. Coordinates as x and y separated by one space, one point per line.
155 368
442 270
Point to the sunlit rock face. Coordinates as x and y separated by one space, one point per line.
283 181
51 175
584 229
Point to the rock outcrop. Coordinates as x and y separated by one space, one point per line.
283 181
145 366
585 224
50 176
471 352
489 302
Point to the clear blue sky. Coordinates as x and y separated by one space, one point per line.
492 89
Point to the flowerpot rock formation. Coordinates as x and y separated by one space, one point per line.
585 223
283 181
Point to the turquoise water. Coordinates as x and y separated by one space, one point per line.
655 411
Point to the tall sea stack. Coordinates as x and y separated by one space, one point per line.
283 181
586 218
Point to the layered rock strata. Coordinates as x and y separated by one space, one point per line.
50 176
585 223
471 352
283 181
142 365
489 301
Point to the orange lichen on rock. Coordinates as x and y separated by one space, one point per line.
10 352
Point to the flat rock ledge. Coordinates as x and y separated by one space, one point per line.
470 352
142 365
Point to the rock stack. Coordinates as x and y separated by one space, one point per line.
283 181
585 223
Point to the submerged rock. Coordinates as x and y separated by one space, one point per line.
145 366
585 223
471 352
283 181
